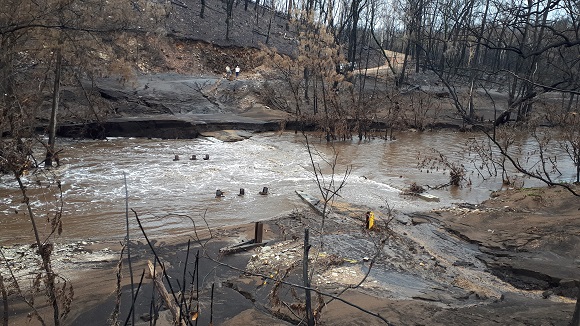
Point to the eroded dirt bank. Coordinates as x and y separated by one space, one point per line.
168 105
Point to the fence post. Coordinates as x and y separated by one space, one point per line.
309 315
258 232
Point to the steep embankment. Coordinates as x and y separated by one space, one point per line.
177 89
178 106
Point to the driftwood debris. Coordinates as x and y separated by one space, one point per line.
315 203
169 303
250 244
246 245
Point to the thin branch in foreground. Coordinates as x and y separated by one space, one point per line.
4 301
128 244
368 312
132 310
114 317
518 167
158 260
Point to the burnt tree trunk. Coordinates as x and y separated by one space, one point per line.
55 101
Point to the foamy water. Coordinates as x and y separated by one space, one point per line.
168 194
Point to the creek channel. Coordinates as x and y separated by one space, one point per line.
168 195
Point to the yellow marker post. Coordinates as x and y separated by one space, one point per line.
370 219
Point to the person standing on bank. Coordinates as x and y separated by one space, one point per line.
237 71
228 71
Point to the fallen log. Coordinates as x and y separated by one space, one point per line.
158 282
246 245
313 202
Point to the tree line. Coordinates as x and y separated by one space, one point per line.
527 50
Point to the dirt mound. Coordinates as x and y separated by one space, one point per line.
531 236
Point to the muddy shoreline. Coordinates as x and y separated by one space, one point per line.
174 106
507 275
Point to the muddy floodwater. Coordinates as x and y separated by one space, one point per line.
170 196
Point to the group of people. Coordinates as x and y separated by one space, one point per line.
229 71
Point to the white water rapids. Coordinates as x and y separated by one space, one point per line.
167 193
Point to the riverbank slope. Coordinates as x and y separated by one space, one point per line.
508 261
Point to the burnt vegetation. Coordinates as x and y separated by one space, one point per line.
349 70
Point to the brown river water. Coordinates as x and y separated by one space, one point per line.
169 196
